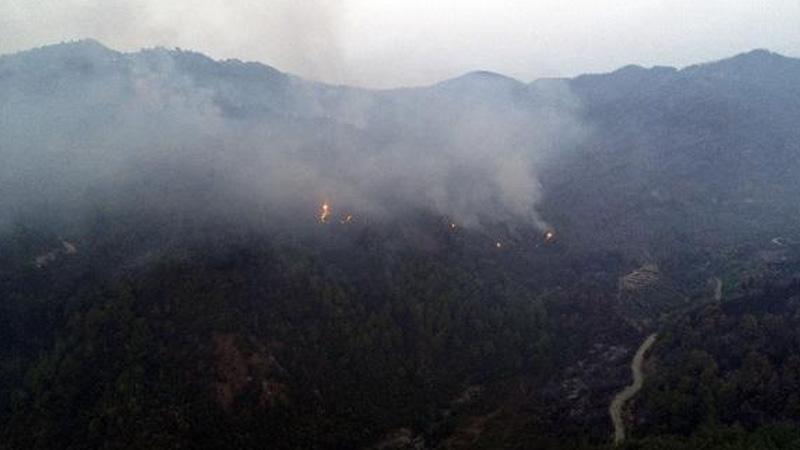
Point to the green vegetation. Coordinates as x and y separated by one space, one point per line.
339 346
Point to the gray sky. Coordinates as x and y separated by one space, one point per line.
386 43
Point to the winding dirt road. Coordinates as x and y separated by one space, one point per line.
626 394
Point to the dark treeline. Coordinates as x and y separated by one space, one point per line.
249 340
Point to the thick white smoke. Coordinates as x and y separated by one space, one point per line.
213 135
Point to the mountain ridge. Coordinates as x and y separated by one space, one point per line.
739 60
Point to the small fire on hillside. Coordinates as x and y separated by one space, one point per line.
325 213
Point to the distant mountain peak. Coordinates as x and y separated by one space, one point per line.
758 56
486 75
82 52
87 43
751 62
481 83
482 77
758 53
635 70
77 46
630 68
80 47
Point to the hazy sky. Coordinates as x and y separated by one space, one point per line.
383 43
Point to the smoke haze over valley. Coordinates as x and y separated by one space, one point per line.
211 253
249 137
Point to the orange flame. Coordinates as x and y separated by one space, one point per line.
325 213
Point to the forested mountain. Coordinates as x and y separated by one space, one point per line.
215 254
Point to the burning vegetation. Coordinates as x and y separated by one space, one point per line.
325 213
325 216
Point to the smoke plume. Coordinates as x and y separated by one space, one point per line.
177 132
